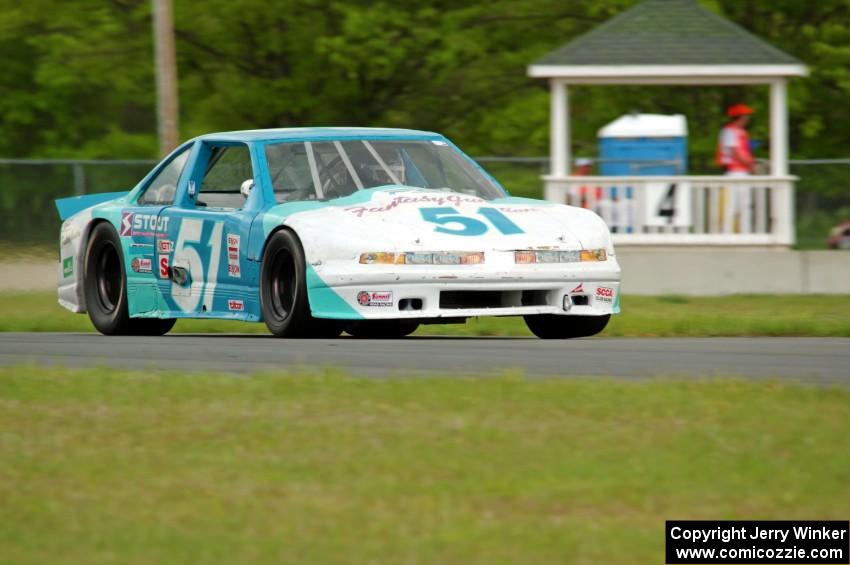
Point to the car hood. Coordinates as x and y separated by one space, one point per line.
421 219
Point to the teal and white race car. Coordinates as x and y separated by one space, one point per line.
316 231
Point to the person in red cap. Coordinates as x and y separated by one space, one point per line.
733 144
734 155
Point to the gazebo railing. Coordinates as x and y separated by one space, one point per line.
685 210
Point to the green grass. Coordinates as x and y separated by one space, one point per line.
809 315
101 466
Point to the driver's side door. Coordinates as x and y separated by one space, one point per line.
205 253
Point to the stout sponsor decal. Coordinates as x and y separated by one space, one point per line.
375 298
126 224
235 305
142 224
234 268
605 294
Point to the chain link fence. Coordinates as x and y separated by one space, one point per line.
28 188
823 198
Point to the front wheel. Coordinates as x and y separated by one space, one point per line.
551 326
283 291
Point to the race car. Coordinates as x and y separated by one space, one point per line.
316 231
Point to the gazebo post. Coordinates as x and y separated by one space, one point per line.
783 201
778 128
560 129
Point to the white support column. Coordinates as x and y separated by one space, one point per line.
778 128
560 130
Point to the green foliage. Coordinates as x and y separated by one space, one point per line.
78 78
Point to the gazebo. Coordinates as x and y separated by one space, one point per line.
676 42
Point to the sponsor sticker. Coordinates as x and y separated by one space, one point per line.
234 268
435 199
578 290
165 246
605 294
126 224
67 266
164 270
375 298
141 264
235 305
142 224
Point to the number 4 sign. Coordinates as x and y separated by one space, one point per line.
667 204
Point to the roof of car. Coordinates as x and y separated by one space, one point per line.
307 134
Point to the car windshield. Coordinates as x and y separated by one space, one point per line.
332 169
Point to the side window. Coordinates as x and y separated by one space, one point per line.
228 168
289 169
163 187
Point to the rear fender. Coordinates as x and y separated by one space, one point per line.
72 252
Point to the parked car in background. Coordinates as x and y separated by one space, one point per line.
839 236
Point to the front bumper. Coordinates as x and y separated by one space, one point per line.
425 291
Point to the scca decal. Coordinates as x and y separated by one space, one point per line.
604 294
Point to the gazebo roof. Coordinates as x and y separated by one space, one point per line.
666 38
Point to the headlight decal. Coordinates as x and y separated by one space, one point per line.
530 256
422 258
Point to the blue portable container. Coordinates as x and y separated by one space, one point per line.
644 144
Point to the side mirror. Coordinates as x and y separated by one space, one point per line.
246 187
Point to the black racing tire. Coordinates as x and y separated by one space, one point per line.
552 326
105 288
384 329
283 291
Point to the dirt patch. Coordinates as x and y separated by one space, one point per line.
27 275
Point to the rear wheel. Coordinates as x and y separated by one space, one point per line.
551 326
105 288
283 292
382 328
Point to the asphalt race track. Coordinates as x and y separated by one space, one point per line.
808 359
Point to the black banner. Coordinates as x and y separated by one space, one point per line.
693 542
